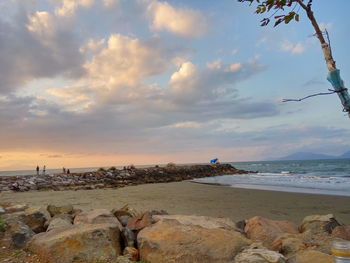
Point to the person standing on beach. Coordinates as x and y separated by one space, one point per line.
37 170
64 170
44 169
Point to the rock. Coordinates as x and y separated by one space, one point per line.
56 210
16 208
158 212
97 216
129 237
86 242
35 218
124 220
16 234
203 221
267 230
170 241
318 241
123 259
292 245
311 256
124 211
259 256
59 221
139 222
319 223
131 253
2 210
342 232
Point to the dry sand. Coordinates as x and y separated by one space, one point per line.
194 198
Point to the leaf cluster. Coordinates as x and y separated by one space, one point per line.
277 6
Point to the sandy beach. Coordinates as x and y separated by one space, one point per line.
194 198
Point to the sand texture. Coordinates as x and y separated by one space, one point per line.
196 199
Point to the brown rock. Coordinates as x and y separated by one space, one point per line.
169 241
319 223
86 242
311 256
97 216
36 218
203 221
131 253
267 230
342 232
139 222
56 210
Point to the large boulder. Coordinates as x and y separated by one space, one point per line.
36 218
311 256
342 232
97 216
267 230
319 223
170 241
259 256
16 234
56 210
203 221
85 242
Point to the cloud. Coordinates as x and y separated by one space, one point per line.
297 48
68 7
36 45
125 61
180 21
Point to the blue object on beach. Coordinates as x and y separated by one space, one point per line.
214 160
339 87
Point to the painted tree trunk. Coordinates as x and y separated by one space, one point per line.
334 73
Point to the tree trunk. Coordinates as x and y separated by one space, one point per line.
334 73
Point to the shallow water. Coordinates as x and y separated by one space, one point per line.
315 176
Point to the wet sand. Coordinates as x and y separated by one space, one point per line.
194 198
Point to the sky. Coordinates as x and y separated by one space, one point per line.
89 83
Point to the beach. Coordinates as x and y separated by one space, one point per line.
194 199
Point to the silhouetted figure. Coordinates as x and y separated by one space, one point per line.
64 170
37 170
44 169
68 172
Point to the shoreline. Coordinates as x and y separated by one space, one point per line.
282 189
194 199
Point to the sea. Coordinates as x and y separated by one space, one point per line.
331 177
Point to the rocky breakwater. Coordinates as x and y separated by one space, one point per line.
65 235
113 177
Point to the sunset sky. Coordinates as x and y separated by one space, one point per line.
87 83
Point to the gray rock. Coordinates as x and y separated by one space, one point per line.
17 234
60 220
259 256
129 237
319 223
2 210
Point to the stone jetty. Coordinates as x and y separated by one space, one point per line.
63 234
113 178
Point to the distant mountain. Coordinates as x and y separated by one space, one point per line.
345 155
307 156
